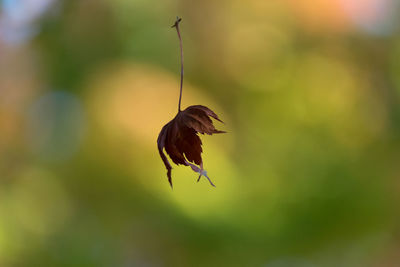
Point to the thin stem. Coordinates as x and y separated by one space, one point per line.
176 25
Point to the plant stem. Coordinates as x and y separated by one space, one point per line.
176 25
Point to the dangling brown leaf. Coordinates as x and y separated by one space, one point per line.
181 142
179 136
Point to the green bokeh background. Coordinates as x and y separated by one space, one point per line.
307 175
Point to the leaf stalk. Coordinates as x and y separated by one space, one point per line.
176 25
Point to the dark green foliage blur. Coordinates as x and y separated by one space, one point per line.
307 175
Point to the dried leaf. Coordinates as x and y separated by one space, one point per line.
180 138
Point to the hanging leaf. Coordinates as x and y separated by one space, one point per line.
180 137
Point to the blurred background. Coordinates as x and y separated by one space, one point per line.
307 175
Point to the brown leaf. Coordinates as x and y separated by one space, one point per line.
181 142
